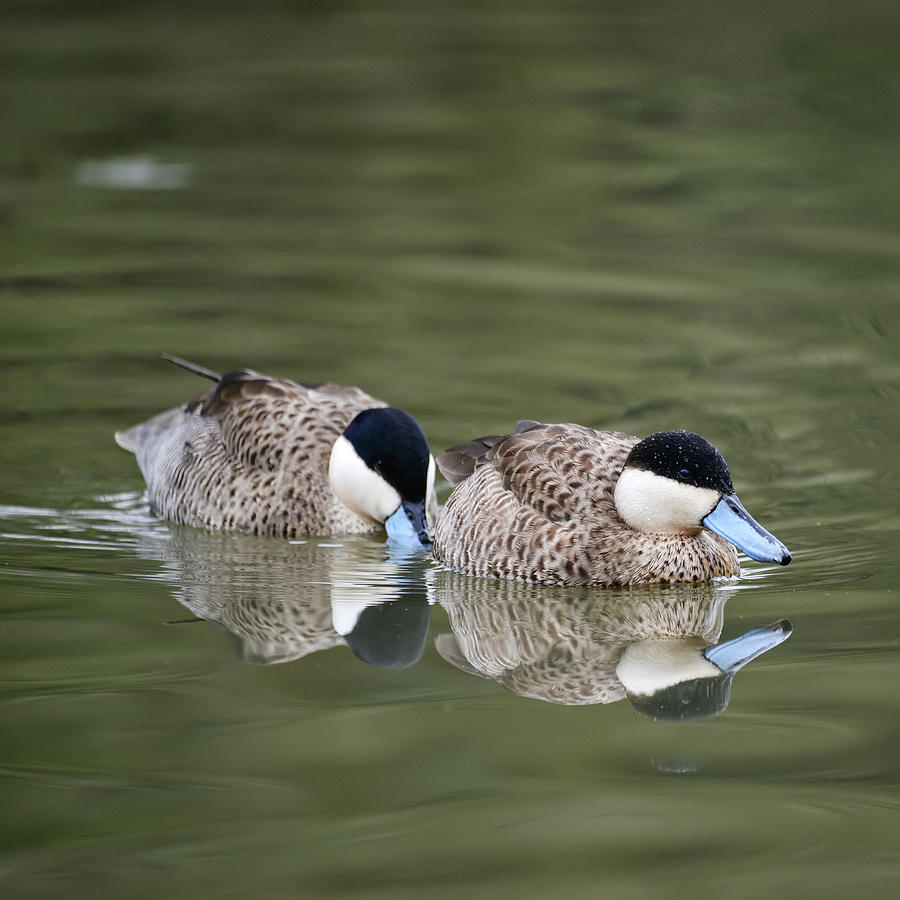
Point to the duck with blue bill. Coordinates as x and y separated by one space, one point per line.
566 504
276 457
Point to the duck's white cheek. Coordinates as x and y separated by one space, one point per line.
357 486
649 502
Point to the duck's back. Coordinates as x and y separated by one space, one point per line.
523 502
250 455
539 505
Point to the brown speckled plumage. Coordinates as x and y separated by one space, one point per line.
538 505
251 455
564 647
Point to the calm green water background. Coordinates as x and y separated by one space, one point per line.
630 215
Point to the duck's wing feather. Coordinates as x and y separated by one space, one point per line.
562 472
531 503
264 420
559 471
459 462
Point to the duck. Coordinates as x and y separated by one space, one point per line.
568 504
658 646
270 456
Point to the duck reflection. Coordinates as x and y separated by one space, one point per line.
281 601
655 645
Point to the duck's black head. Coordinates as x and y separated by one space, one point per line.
381 468
682 456
676 481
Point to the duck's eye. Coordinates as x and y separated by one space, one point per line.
684 474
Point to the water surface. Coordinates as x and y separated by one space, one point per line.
628 216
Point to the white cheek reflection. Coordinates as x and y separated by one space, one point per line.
652 665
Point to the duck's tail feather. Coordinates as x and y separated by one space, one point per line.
125 440
131 438
155 431
192 367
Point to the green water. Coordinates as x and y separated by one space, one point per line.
630 215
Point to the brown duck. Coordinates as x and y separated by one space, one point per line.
565 504
272 456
